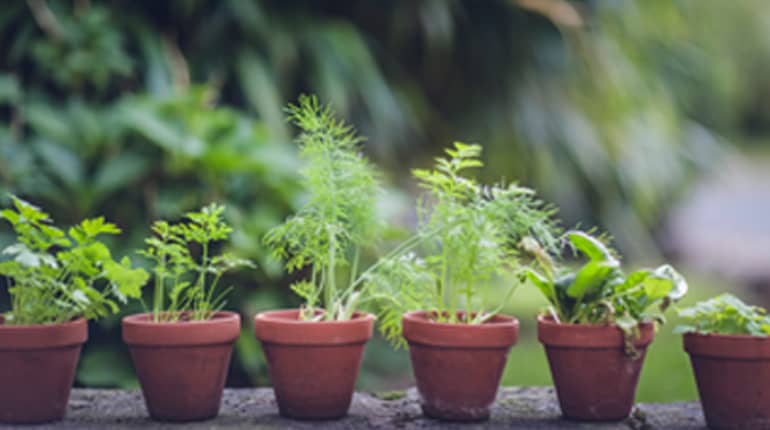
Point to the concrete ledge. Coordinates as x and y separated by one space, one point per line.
255 409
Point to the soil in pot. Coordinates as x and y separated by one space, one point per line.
313 365
733 376
595 377
37 368
182 366
458 366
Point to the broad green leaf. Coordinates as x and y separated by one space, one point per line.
543 285
121 171
679 282
128 281
62 162
591 247
657 288
591 277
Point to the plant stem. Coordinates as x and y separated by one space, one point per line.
400 249
354 265
159 293
330 287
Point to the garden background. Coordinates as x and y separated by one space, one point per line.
647 118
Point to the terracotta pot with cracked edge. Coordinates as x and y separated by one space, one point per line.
182 366
37 369
313 365
595 379
458 367
733 375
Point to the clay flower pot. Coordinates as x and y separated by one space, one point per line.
458 366
182 365
595 378
37 368
733 376
313 366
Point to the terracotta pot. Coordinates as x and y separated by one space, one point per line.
313 365
37 368
733 376
458 366
182 366
594 377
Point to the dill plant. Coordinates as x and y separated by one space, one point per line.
469 235
186 269
55 277
330 232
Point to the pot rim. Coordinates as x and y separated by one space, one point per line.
43 336
283 327
501 332
727 346
139 330
589 336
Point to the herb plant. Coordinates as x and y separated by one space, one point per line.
189 280
338 222
599 291
470 234
724 314
55 277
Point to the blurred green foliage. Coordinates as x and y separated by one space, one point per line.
146 109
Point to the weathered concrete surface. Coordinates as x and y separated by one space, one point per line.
255 409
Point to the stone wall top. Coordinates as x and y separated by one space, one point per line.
255 409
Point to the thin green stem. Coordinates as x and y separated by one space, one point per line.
354 265
330 285
403 247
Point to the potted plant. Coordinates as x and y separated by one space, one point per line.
56 282
458 344
181 349
314 352
729 349
598 325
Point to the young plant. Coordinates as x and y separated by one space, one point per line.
725 314
189 280
599 292
55 277
470 232
337 223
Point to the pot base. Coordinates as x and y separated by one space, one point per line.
732 373
37 368
595 379
313 365
182 366
36 384
458 367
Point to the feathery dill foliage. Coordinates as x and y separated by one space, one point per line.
55 277
190 282
471 234
329 232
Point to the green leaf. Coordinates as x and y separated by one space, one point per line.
127 281
680 286
591 277
62 162
121 171
657 288
626 323
545 287
591 247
